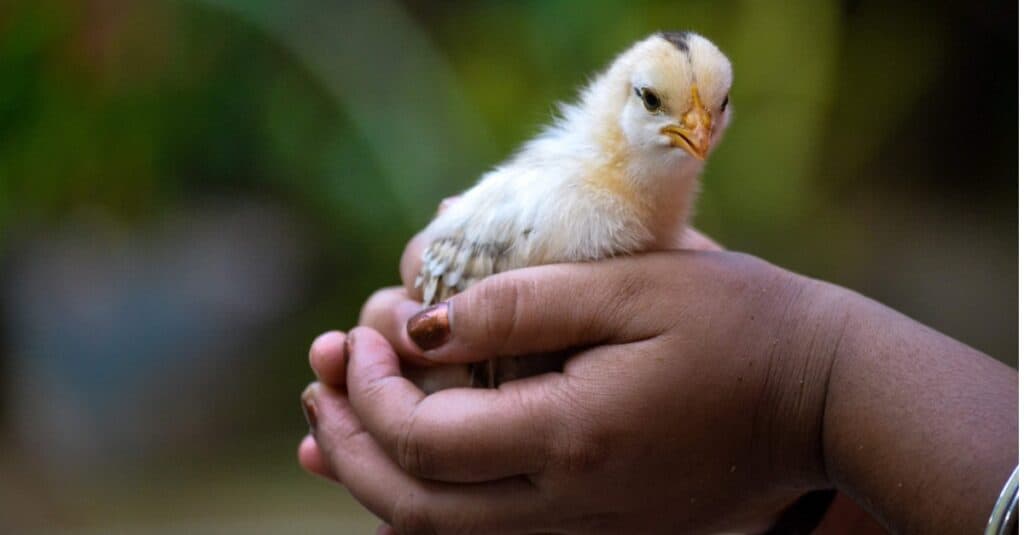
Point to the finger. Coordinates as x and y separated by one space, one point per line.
387 312
539 309
412 259
460 434
327 358
409 504
385 529
311 460
695 240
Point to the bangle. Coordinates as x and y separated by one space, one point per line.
1003 520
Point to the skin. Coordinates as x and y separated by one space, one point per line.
708 390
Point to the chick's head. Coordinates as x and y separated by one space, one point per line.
677 99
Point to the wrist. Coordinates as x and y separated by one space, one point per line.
812 318
918 428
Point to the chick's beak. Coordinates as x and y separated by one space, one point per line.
694 133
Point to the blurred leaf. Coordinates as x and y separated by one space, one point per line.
399 93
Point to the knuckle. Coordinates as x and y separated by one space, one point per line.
412 449
577 444
583 451
585 456
534 412
630 287
411 515
626 297
738 265
375 389
500 303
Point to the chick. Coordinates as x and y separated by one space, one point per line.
617 173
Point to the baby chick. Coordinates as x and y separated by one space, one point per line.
616 174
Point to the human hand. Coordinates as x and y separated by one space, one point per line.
699 410
430 376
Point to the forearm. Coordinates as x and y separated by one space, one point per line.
918 428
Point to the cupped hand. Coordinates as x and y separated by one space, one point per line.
693 403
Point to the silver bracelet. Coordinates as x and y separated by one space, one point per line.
1004 515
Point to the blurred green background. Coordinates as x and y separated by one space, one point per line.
190 191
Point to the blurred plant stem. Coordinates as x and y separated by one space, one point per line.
398 91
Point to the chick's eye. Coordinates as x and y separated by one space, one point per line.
651 101
725 102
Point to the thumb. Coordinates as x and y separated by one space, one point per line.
536 310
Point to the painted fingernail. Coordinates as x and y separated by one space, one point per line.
430 329
308 408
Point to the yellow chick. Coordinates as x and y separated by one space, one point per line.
617 173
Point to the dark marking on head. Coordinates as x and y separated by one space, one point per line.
680 39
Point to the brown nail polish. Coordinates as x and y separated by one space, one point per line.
430 329
309 409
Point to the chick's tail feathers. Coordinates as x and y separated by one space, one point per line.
451 265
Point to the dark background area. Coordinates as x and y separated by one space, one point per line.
190 191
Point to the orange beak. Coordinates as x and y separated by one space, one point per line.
694 133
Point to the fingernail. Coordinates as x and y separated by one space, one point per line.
350 340
308 408
446 203
430 329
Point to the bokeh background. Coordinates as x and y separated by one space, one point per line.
190 191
